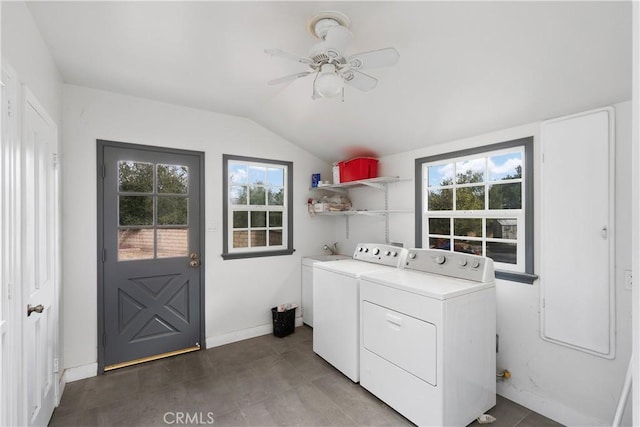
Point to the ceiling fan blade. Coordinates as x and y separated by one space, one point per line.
289 78
359 80
283 54
374 59
336 40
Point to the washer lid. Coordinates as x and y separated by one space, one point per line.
351 267
427 284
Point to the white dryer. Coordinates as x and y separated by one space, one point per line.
428 337
336 313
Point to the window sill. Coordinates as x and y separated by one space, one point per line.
242 255
513 276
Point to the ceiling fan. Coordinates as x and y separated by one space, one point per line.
328 62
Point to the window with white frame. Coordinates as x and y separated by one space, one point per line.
479 201
258 218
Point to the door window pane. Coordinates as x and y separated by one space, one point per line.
502 228
257 175
172 242
441 200
470 171
135 177
470 198
258 219
135 210
172 210
468 246
257 195
238 174
439 226
505 196
502 252
238 195
135 243
173 179
471 227
505 166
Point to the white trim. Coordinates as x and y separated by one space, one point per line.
635 209
79 373
550 408
243 334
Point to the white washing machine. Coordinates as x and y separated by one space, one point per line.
336 313
428 337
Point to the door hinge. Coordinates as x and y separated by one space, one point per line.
56 363
9 109
55 160
9 289
543 303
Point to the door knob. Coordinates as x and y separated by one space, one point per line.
38 309
194 263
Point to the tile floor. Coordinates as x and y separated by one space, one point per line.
263 381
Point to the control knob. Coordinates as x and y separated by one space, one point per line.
387 253
376 251
366 249
394 254
475 263
412 255
462 262
360 249
440 259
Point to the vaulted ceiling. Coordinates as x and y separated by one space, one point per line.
465 67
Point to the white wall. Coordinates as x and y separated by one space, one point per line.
569 386
239 293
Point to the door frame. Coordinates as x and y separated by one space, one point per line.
101 145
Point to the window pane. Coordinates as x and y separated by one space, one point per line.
257 175
238 195
470 171
240 239
275 237
172 242
258 219
275 219
258 238
505 196
468 246
238 174
240 219
173 179
439 226
257 195
173 210
440 175
135 177
135 244
505 166
440 200
439 243
471 227
276 196
275 177
470 198
503 228
502 252
135 210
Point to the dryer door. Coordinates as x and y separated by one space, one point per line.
405 341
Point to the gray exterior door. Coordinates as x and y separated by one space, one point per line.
149 249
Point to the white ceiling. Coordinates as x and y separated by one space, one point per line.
465 67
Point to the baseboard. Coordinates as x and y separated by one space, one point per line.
243 334
80 372
547 407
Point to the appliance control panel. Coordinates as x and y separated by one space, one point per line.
379 253
454 264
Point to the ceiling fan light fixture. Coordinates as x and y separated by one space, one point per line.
329 84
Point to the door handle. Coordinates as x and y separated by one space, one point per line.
394 319
195 261
38 309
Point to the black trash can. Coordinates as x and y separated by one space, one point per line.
284 322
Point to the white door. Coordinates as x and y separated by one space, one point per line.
39 261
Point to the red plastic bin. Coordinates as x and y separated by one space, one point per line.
358 168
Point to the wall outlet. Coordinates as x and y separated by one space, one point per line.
212 225
628 280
